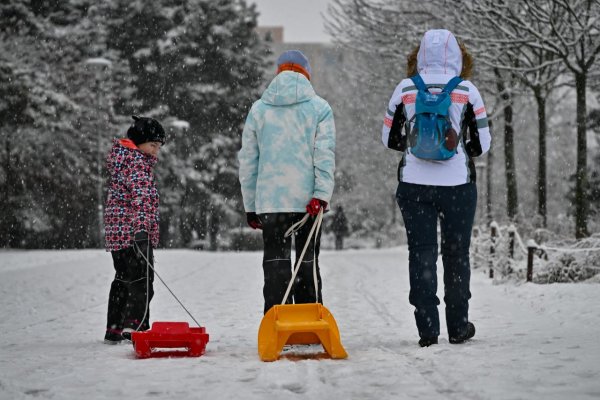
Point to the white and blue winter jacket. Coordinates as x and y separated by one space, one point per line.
288 148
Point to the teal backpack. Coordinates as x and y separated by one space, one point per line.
432 136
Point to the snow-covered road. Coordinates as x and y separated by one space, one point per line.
532 342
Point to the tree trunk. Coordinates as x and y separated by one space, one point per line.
7 174
509 153
214 222
542 134
4 224
185 219
8 220
488 183
581 201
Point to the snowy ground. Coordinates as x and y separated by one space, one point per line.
533 341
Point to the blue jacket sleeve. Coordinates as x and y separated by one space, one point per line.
324 155
248 159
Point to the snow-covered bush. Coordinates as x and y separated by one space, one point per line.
245 239
569 261
556 259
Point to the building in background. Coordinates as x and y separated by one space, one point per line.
325 59
272 34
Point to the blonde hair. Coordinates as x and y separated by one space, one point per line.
467 62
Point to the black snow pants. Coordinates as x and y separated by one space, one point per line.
129 291
277 265
421 207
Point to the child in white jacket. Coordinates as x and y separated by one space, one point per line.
287 161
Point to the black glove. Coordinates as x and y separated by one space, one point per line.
253 220
473 148
142 243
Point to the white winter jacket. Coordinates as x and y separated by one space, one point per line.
439 59
288 148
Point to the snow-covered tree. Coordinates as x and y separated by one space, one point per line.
565 30
499 46
200 62
377 36
71 74
43 148
517 45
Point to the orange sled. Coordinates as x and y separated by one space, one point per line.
310 323
298 324
189 342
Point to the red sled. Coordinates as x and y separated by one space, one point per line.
190 342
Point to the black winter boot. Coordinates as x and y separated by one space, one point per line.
112 337
426 342
126 334
469 333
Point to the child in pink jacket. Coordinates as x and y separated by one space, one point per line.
131 227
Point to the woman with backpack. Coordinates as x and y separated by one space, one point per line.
437 119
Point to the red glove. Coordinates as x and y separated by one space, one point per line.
253 220
315 205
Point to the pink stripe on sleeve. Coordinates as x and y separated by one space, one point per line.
409 98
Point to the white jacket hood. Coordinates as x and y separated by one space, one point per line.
439 53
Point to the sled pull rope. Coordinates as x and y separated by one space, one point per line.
149 265
139 251
295 228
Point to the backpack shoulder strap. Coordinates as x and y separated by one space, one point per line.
418 81
452 84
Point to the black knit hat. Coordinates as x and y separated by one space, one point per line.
145 130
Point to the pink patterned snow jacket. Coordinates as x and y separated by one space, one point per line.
132 201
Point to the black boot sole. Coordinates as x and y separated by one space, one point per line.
463 338
426 342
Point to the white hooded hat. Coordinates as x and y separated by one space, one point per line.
439 53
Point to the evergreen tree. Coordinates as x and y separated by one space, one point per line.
72 72
201 62
32 131
48 112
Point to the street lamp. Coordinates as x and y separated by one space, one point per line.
99 65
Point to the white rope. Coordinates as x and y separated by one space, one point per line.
532 244
513 228
149 265
294 228
542 247
316 281
147 280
